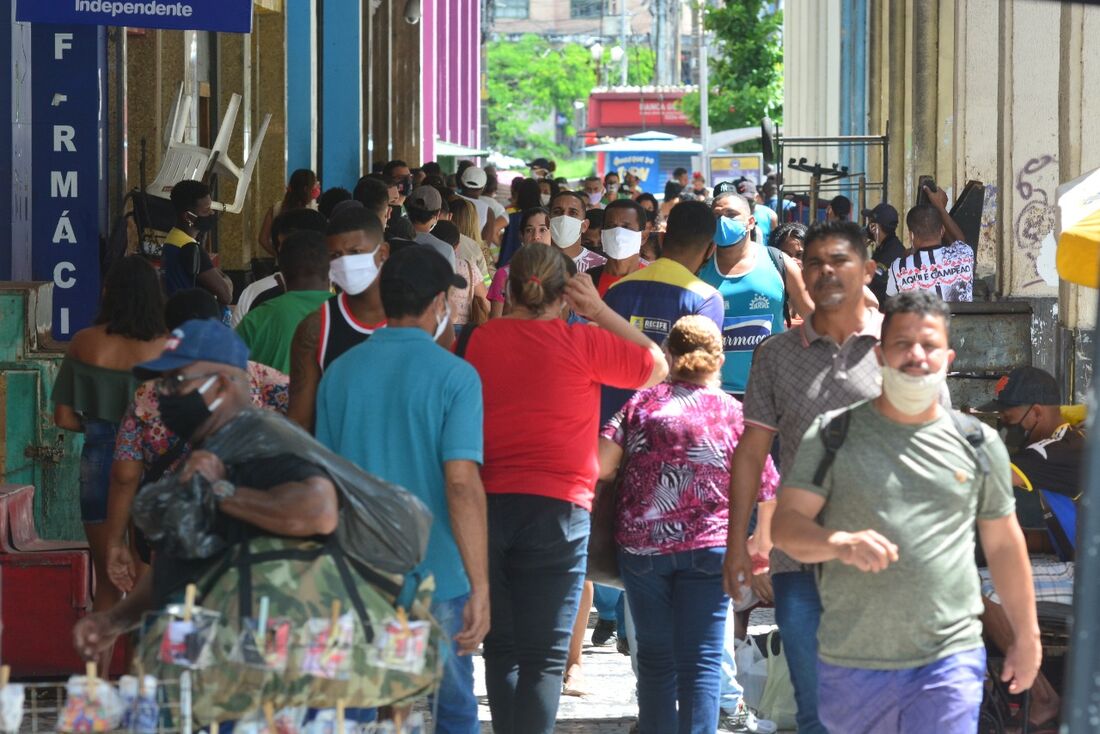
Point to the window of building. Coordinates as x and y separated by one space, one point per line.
585 8
514 9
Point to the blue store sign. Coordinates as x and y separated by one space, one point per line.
66 186
644 165
232 16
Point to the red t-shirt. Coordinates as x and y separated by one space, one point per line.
541 386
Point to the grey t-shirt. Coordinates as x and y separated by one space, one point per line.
430 240
920 487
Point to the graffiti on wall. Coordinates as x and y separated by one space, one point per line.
1034 225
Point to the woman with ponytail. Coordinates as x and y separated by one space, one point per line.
541 380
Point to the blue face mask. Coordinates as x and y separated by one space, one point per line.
729 231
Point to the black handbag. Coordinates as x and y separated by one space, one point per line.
603 552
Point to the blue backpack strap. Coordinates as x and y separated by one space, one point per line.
833 432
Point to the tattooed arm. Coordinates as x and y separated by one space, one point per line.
305 372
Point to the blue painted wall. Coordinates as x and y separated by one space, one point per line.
341 147
300 64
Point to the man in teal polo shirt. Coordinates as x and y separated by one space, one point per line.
409 411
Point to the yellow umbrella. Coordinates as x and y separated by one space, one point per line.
1078 255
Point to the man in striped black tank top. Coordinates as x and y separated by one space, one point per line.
357 251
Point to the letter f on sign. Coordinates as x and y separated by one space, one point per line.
61 43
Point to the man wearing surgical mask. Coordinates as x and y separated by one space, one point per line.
356 253
891 522
432 418
593 191
760 286
621 241
567 224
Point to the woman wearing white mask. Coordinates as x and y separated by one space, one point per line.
567 223
357 251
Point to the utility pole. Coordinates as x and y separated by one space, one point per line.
704 91
675 12
623 26
661 48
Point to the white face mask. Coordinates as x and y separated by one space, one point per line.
565 231
595 197
353 273
545 199
620 243
442 323
912 394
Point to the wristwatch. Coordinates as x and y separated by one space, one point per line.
223 489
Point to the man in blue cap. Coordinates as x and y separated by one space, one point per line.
202 386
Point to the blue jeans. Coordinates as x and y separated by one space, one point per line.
678 609
731 691
95 469
610 605
798 614
538 552
943 697
455 706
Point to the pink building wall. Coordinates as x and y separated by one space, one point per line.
450 73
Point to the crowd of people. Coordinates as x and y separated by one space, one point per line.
764 403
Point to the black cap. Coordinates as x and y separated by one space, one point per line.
419 268
725 187
883 215
1024 386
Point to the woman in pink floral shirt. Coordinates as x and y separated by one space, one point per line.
672 446
145 450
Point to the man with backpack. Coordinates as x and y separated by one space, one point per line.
759 286
885 495
826 363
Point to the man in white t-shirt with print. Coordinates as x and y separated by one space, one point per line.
946 270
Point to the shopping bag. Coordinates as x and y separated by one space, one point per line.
777 702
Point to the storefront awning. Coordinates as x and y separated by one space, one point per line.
455 150
1078 257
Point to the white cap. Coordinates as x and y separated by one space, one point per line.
474 178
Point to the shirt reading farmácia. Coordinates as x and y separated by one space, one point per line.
920 487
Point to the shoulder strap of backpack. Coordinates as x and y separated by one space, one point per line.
464 340
971 430
781 265
833 433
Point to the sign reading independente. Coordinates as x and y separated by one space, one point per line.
231 16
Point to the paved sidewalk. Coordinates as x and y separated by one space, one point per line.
611 705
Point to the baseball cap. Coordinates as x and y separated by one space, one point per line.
198 340
474 178
426 198
725 187
883 215
419 269
1024 386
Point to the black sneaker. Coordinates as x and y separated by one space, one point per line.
623 646
604 633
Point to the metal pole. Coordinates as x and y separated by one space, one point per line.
815 181
1082 693
704 94
622 42
862 194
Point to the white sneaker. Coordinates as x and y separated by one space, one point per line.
745 722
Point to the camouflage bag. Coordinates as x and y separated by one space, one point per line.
301 580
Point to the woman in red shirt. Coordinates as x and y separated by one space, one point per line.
541 381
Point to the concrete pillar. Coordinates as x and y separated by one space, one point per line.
300 52
235 232
156 63
341 148
923 100
270 94
897 50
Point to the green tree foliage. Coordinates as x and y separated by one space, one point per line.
527 80
746 65
640 63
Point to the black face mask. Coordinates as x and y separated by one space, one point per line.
1016 438
207 223
183 415
405 185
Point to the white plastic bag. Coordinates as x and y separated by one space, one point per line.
11 706
752 671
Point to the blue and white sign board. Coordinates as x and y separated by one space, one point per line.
67 108
231 16
644 165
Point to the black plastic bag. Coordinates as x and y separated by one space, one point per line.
179 518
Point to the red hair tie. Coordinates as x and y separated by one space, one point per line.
534 279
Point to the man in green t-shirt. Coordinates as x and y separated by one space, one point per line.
892 521
268 330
